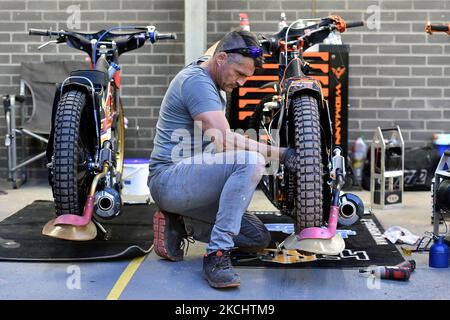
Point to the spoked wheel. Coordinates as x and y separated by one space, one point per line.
73 150
305 195
309 181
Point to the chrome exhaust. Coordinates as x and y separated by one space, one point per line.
107 203
347 209
351 209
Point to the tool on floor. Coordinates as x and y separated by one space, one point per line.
422 246
401 271
387 272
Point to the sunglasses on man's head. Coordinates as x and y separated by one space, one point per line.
253 52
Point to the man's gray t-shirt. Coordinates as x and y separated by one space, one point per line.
190 93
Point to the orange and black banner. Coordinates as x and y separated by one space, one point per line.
338 92
329 66
245 99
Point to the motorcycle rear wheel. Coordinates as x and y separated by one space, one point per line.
309 180
309 201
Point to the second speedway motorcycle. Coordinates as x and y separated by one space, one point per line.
297 116
86 146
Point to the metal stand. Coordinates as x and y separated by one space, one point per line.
386 168
439 192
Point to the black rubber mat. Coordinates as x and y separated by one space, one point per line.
366 248
21 238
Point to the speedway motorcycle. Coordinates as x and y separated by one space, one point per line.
86 146
297 116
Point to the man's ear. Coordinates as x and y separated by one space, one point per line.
221 58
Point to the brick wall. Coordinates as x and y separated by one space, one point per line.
397 72
146 72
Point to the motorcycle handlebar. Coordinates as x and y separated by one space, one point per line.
42 32
166 36
354 24
430 28
39 32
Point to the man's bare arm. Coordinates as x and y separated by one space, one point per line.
216 126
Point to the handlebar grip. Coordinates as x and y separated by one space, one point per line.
38 32
354 24
166 36
430 28
439 27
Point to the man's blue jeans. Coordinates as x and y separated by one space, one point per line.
215 189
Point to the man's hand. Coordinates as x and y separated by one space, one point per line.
289 159
215 125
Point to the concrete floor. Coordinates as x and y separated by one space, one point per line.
155 279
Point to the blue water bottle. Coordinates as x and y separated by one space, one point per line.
439 254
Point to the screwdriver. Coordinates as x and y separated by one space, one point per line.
386 272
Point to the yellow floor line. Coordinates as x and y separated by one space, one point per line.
125 278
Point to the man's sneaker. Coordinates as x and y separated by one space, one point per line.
218 271
169 234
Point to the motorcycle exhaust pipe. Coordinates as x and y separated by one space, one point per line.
351 209
107 203
347 209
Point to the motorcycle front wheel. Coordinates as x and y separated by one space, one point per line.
73 149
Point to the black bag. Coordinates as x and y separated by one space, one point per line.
420 165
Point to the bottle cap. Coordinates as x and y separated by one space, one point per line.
244 22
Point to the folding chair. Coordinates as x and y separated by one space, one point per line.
37 83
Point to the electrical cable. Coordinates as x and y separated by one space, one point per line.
94 55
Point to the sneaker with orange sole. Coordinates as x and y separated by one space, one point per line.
169 234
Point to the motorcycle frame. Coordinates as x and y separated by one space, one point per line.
103 103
